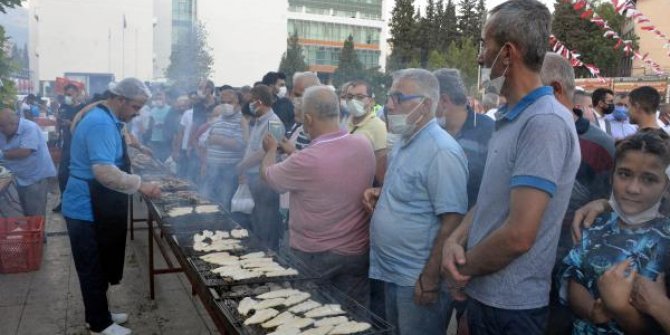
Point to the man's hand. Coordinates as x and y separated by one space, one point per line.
599 313
615 287
649 296
427 289
585 216
453 256
286 146
151 190
145 150
370 197
269 143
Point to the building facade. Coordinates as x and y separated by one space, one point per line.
656 11
322 27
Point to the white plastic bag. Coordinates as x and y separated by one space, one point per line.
171 164
242 201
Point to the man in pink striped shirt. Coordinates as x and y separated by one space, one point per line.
328 225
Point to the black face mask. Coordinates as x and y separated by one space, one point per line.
609 109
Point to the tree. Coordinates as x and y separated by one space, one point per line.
481 16
468 21
4 4
190 60
448 26
402 30
464 58
7 68
349 67
586 38
436 60
293 60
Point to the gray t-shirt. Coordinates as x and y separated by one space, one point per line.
534 145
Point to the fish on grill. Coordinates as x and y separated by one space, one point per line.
297 322
351 327
245 305
323 330
304 307
326 310
279 320
296 299
282 293
331 321
261 316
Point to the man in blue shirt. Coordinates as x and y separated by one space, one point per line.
95 203
471 130
23 150
422 201
512 233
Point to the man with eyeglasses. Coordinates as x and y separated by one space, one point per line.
362 119
422 201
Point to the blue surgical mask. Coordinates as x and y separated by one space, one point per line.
620 113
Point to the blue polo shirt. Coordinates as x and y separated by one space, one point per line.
96 140
38 165
534 145
474 139
426 177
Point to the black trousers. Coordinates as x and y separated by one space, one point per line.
92 280
487 320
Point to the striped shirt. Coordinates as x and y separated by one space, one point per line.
298 136
228 128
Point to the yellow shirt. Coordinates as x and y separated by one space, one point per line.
371 127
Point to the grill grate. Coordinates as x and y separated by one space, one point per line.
322 293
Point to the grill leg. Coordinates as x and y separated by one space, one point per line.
150 223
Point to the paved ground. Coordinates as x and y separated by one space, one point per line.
48 301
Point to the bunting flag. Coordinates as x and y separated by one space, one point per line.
627 8
573 57
586 11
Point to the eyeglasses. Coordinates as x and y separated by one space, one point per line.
398 97
357 96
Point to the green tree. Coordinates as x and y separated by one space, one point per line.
293 59
463 56
190 60
481 16
4 4
448 26
468 20
586 38
402 30
7 68
349 66
436 60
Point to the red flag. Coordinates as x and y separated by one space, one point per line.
587 14
618 44
579 5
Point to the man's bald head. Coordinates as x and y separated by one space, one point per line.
321 102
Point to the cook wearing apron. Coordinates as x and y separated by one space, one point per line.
95 202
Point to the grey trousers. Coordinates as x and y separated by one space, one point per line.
33 198
347 273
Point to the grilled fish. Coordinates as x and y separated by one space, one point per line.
246 305
332 321
297 322
282 273
269 303
296 298
326 310
351 327
286 331
283 293
261 316
239 233
323 330
258 254
279 320
305 306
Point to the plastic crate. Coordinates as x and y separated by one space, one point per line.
21 241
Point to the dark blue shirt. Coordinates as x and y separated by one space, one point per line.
474 139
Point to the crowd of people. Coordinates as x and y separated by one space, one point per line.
541 209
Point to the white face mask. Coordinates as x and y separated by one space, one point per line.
442 121
69 100
639 218
392 139
356 108
398 122
282 92
494 85
228 110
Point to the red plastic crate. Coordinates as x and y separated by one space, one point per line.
21 241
